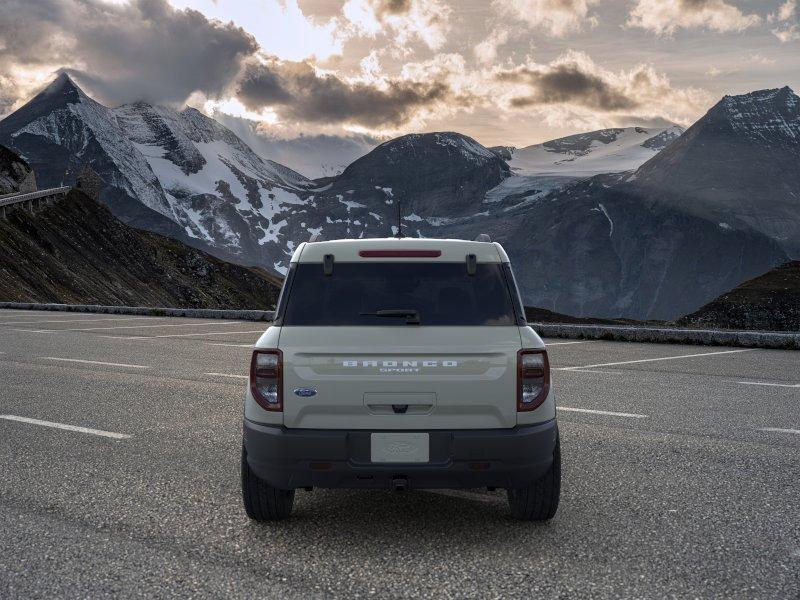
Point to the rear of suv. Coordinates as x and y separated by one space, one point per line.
400 364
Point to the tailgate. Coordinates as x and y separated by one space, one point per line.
342 377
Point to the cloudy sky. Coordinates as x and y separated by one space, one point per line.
503 71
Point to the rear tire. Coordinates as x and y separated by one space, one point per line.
539 501
263 502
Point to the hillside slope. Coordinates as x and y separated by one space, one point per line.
75 251
15 173
768 302
737 166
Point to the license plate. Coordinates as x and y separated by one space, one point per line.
400 447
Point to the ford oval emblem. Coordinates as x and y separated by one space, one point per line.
305 392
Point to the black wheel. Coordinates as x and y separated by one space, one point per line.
262 502
539 501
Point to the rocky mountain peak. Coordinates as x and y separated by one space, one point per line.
64 86
442 143
420 157
772 113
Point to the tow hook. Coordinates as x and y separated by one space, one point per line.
399 484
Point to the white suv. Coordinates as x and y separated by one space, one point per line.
400 364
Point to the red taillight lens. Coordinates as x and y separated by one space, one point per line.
266 378
533 379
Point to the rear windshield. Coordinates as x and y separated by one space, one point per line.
439 293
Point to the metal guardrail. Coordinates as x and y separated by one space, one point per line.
10 199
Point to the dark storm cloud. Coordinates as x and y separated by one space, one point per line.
142 50
392 7
296 91
567 82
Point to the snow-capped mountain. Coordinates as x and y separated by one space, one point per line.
593 153
176 172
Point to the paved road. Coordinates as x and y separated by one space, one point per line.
683 482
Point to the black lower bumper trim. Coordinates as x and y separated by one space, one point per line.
464 458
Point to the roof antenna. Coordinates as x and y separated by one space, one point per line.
399 221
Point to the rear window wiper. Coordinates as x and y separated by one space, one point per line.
411 315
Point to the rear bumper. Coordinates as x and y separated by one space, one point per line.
295 458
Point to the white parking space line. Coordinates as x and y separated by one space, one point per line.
593 371
228 375
646 360
100 432
75 320
567 343
779 430
465 495
153 337
785 385
132 327
229 345
199 333
94 362
602 412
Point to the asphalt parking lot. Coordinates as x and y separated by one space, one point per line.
119 457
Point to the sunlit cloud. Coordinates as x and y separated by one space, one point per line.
279 27
486 51
404 21
717 72
556 17
786 31
665 17
756 58
233 107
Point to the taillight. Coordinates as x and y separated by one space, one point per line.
533 379
266 378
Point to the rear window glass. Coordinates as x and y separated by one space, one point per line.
440 293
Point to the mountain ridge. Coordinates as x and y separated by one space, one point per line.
607 245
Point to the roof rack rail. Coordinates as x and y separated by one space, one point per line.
483 237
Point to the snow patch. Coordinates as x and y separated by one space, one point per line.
349 203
